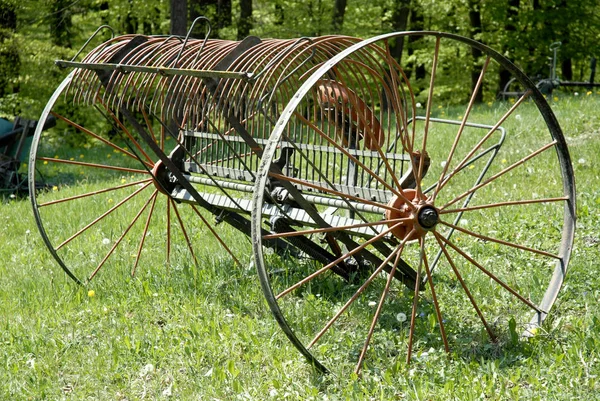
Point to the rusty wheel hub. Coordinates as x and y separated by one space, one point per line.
422 216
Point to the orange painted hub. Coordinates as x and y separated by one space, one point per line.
422 215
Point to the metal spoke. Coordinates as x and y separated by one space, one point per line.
462 127
143 238
501 204
94 193
126 131
491 275
413 313
419 176
433 295
499 241
93 165
118 241
465 288
216 235
375 319
407 143
184 231
362 288
103 215
501 173
466 159
333 192
98 137
335 262
382 155
398 192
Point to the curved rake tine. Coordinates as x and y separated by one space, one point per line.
465 288
118 241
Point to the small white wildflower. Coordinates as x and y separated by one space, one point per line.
401 317
518 117
443 163
168 392
372 303
576 93
105 241
464 222
419 105
149 368
581 161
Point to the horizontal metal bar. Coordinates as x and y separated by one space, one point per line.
297 215
125 68
299 145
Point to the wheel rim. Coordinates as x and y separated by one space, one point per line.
476 253
106 205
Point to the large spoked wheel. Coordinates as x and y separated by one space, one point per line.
452 223
106 206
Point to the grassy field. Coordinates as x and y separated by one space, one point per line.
207 334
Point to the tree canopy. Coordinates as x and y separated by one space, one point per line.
33 34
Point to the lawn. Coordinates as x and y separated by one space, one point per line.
205 332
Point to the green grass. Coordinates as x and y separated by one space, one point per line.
206 333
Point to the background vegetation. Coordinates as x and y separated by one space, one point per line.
34 33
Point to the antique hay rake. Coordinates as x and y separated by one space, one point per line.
375 212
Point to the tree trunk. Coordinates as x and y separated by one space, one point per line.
512 13
399 23
9 52
475 20
245 23
178 17
60 22
223 14
339 9
400 14
417 23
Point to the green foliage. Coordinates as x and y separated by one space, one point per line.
523 33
